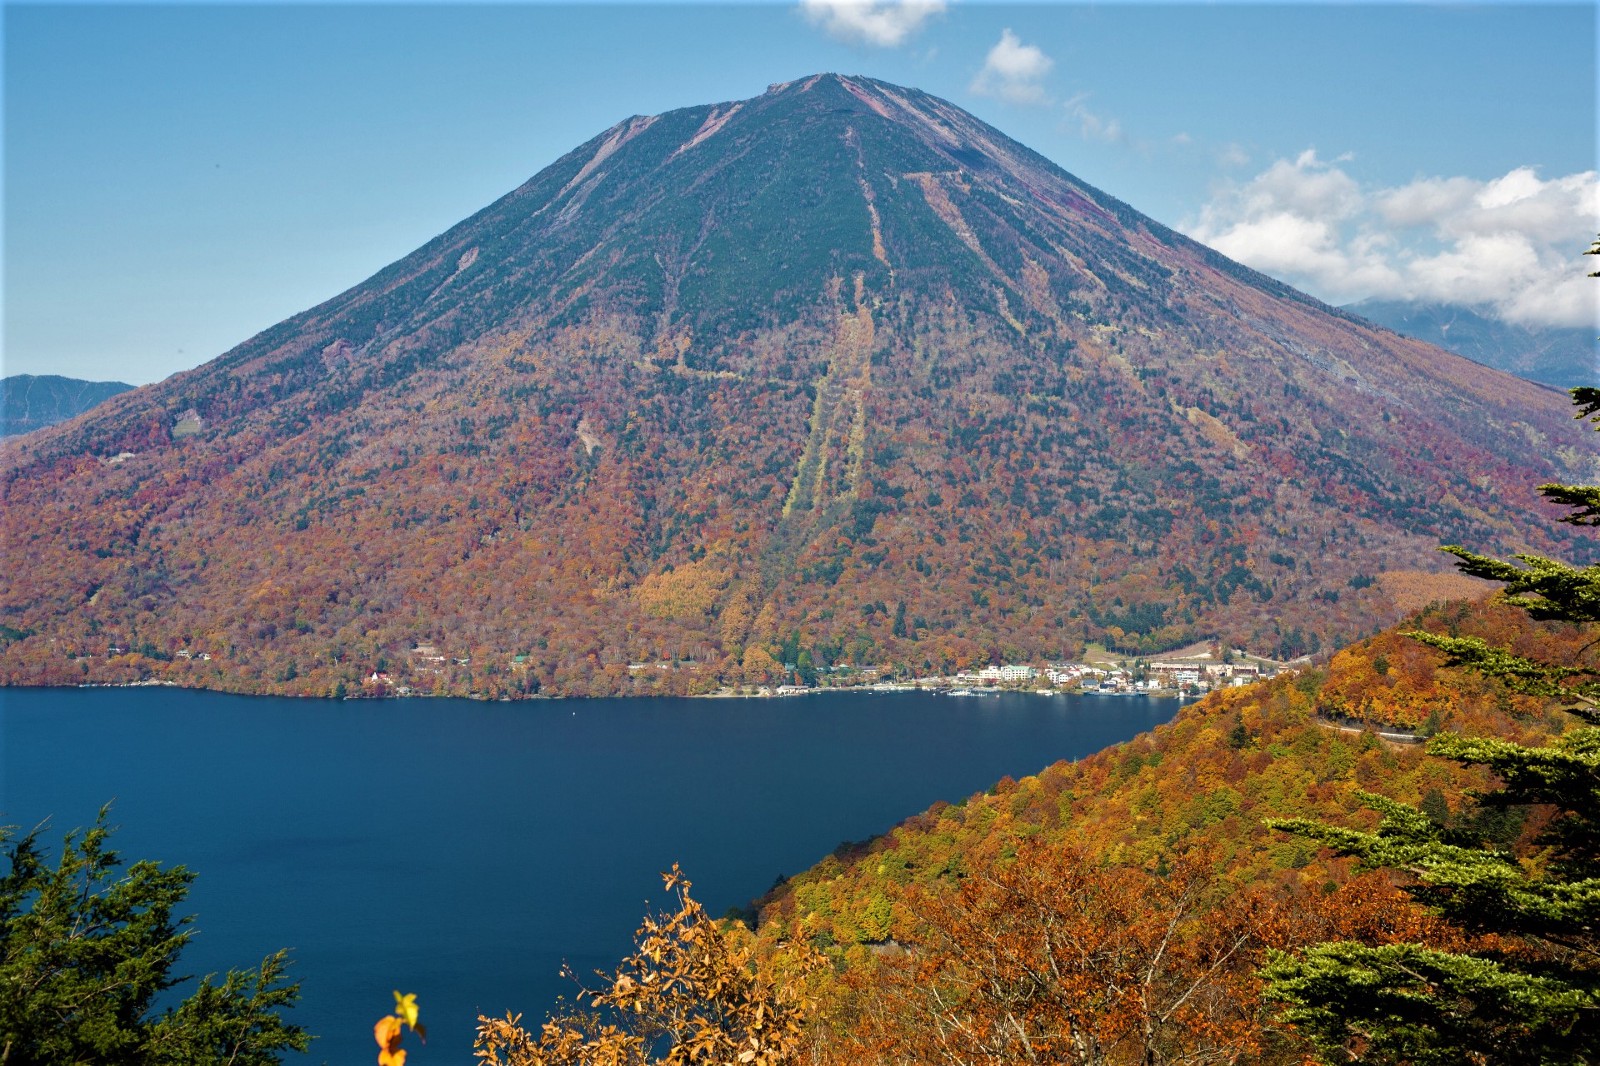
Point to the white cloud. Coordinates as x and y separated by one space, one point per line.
1233 156
1093 126
1306 187
1014 71
885 23
1510 244
1425 199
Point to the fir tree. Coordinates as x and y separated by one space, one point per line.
87 946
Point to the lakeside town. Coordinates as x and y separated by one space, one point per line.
1186 672
1192 671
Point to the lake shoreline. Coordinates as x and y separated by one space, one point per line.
724 694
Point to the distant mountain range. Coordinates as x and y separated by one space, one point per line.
1563 357
33 401
834 377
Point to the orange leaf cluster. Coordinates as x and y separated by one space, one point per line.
690 993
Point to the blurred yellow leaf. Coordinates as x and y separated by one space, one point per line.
405 1007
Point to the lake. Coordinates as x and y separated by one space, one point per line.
463 850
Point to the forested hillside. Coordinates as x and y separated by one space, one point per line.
1152 861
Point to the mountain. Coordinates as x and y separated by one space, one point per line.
1563 357
33 401
834 376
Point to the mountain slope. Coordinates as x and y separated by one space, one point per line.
33 401
839 369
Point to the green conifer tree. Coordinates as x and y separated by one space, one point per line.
86 947
1531 992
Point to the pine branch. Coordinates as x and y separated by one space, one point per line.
1586 498
1546 589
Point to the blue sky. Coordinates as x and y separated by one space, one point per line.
178 177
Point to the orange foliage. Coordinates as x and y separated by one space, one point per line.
391 1028
1412 590
968 916
1054 957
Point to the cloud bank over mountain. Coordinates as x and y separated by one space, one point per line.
1509 244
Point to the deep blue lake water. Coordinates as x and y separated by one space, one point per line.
463 850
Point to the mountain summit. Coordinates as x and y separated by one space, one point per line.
837 375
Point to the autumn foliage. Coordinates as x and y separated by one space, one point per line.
690 993
390 1030
1054 957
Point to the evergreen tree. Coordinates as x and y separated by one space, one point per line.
1528 988
87 946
